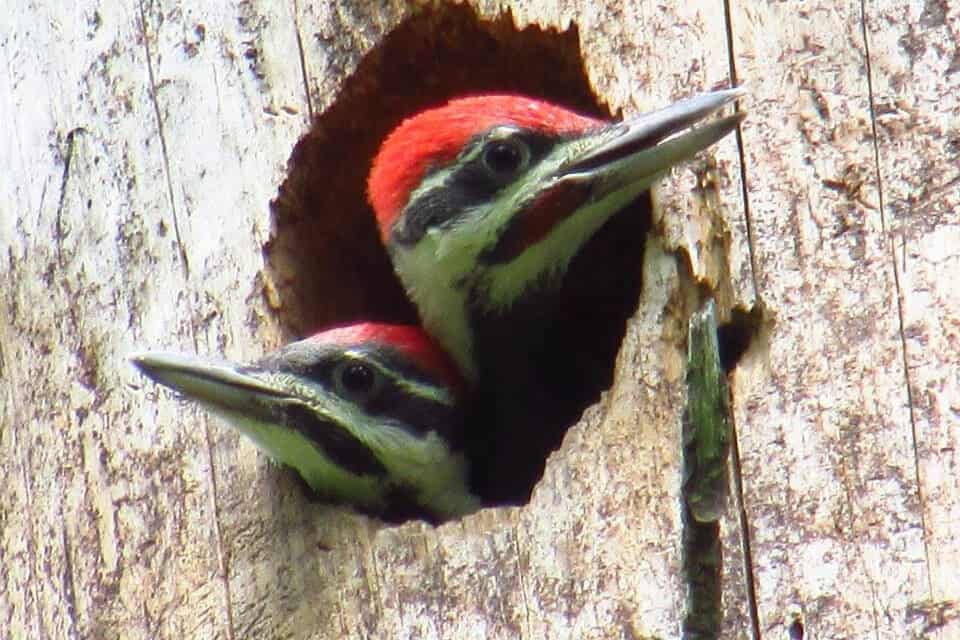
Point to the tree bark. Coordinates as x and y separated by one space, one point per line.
142 148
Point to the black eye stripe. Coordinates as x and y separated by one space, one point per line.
471 183
395 401
417 415
333 441
319 365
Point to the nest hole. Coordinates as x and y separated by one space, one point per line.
325 258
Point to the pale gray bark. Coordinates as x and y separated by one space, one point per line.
141 148
847 446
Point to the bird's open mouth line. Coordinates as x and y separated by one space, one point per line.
198 379
256 386
646 132
628 145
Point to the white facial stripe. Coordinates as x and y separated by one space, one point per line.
506 282
442 268
425 463
432 181
436 393
292 448
438 477
430 271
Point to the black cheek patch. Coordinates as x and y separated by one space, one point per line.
435 208
402 504
536 220
416 416
409 229
469 185
333 441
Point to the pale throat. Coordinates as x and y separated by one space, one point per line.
446 279
440 279
441 303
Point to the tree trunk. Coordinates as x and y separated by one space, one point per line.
142 147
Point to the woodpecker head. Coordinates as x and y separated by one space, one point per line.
368 414
487 197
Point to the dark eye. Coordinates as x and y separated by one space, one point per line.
355 380
504 158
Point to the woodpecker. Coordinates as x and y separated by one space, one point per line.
370 415
484 205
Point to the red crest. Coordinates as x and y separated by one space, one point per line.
409 340
436 136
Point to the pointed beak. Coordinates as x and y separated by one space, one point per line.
639 150
607 168
286 416
219 385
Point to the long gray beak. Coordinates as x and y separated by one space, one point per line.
647 145
220 385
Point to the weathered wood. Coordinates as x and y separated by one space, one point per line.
142 148
914 63
139 152
838 455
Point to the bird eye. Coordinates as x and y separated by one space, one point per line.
355 380
504 158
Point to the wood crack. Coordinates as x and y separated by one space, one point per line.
223 563
899 296
303 61
69 584
64 179
736 466
163 141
